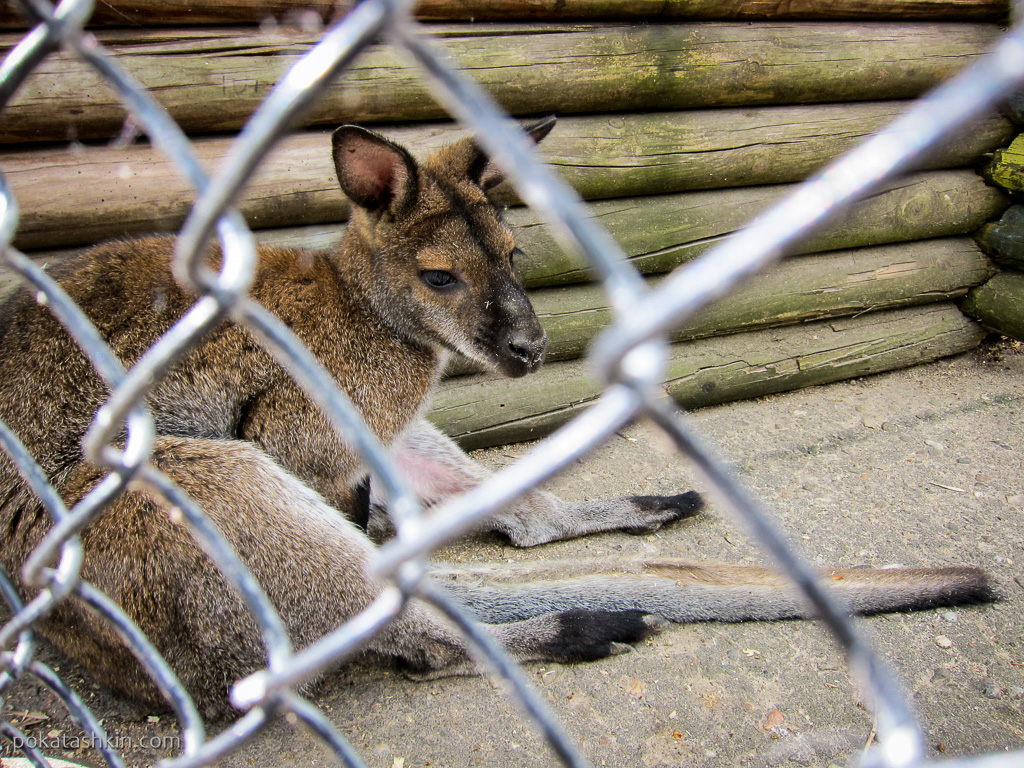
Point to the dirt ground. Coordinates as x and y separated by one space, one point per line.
917 467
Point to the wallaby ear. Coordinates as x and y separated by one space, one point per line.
373 172
489 175
541 128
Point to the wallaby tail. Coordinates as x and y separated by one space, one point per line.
686 592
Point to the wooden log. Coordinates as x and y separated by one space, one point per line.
212 80
1006 168
999 304
711 9
659 232
798 290
485 411
1013 108
83 195
1003 240
297 12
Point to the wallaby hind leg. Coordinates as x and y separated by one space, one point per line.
311 562
437 468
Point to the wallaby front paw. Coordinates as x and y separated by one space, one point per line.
656 511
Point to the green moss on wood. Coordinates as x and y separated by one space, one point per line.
483 411
999 304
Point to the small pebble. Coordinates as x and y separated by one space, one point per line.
935 444
964 460
992 690
943 642
950 616
1015 692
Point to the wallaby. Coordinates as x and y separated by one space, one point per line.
425 269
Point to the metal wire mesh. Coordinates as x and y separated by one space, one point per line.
629 356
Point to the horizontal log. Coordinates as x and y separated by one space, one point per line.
798 290
660 232
157 12
485 411
999 304
1006 168
713 9
212 80
86 194
1003 240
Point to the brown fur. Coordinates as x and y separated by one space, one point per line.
425 269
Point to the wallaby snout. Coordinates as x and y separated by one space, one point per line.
524 349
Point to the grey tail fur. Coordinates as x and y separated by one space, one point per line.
685 592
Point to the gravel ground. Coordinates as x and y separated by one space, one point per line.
917 467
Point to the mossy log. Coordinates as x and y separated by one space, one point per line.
1006 168
211 80
1003 240
163 12
662 231
712 9
484 411
797 290
999 304
86 194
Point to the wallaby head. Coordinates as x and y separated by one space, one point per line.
434 254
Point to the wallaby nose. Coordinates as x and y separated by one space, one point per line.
528 347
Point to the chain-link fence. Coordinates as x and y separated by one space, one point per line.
628 356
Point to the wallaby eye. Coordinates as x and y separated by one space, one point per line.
438 278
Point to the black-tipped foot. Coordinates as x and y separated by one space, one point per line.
661 510
967 586
587 635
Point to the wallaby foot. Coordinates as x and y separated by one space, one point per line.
661 510
567 637
587 635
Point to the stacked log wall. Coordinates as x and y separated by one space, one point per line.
679 121
998 304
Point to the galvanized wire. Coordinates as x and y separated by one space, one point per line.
629 356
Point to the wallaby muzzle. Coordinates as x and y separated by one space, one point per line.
523 350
